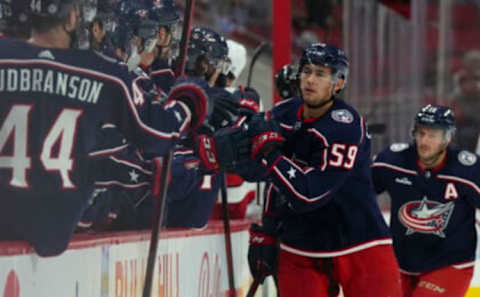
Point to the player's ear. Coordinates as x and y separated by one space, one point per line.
339 85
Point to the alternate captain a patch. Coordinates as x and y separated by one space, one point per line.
426 216
342 116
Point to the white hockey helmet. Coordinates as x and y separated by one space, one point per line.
237 54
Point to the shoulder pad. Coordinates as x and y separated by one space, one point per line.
399 146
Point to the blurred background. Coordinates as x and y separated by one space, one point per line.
403 53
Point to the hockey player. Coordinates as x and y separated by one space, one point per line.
237 54
53 100
119 202
286 81
434 190
321 207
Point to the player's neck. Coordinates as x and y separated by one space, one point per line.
55 38
433 164
315 112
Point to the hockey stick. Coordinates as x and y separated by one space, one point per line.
256 54
254 286
258 51
228 239
165 167
223 189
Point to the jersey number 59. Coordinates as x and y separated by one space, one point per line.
343 155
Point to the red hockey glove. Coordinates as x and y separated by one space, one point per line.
207 152
265 135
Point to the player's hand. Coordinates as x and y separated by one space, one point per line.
207 152
248 98
233 146
226 111
265 136
262 252
193 95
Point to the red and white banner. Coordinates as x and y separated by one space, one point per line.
190 263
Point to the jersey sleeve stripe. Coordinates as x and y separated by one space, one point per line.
188 114
183 152
163 71
269 197
460 180
130 164
362 126
108 151
117 183
464 265
393 167
292 189
325 150
286 127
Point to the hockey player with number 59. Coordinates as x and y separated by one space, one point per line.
321 206
434 190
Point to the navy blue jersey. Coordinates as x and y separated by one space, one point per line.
52 104
433 211
162 74
192 193
322 175
122 197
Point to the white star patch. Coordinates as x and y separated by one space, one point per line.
133 176
291 173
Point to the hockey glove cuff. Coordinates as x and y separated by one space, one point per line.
195 98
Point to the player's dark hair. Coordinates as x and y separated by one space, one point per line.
42 24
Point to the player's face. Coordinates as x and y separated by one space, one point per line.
316 84
430 142
164 37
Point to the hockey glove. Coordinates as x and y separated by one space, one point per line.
248 98
262 252
226 111
233 146
206 151
195 98
265 136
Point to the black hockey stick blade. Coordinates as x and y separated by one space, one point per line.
258 51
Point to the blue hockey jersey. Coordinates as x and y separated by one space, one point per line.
52 103
432 211
122 197
322 176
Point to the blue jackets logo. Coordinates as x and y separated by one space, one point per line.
342 116
426 216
